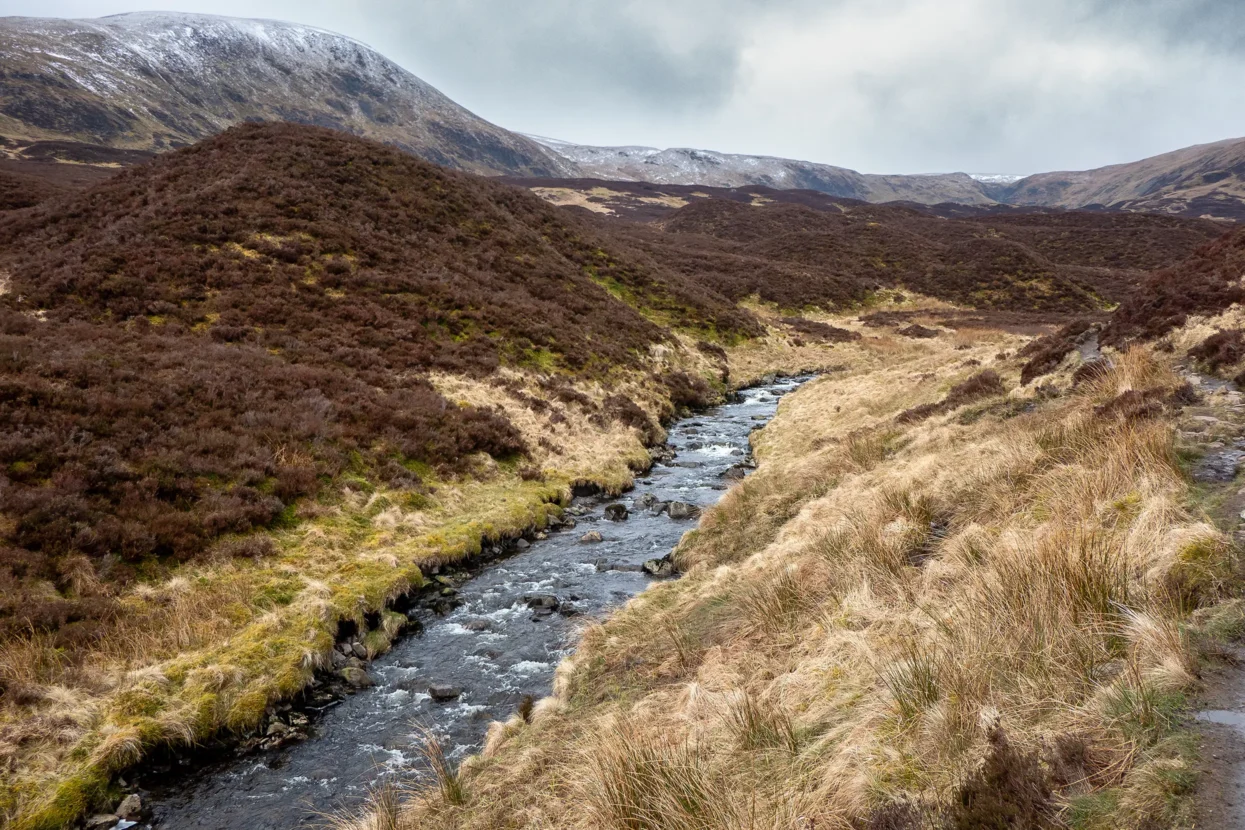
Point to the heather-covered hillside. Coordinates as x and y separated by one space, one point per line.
196 343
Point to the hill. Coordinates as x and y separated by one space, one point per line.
1203 180
156 80
798 248
282 292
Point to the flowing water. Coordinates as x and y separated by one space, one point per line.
493 647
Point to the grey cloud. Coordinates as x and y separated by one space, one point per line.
880 85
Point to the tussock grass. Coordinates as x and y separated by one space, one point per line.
939 623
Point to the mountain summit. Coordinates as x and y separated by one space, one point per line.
155 80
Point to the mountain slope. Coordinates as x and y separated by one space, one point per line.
154 80
1203 180
706 167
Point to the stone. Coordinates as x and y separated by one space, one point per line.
357 678
540 600
522 544
659 567
339 660
102 820
358 650
277 729
569 523
476 625
449 592
683 510
616 512
568 609
541 536
646 500
660 507
299 720
442 692
591 536
443 580
736 472
603 565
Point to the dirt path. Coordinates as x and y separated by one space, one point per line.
1218 426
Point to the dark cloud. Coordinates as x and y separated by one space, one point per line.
879 85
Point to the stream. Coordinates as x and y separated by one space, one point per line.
494 647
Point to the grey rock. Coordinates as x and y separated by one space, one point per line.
442 692
683 510
102 820
358 650
660 507
357 678
476 625
521 544
616 512
659 567
540 600
339 660
591 536
277 729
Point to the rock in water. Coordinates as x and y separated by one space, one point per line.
591 536
616 512
442 692
683 510
357 678
522 544
540 600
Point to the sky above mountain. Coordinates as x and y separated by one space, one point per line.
884 86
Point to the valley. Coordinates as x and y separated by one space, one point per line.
365 464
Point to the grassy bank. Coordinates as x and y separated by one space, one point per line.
942 601
210 645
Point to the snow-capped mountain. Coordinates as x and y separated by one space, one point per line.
680 165
152 80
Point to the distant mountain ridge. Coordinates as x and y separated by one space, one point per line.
1205 180
151 81
156 80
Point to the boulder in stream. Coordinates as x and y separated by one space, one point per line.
442 692
541 600
616 512
683 510
591 536
357 678
131 807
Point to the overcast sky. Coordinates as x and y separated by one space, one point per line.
882 86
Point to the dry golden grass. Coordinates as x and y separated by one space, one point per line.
981 618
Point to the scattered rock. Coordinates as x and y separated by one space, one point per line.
616 512
357 678
339 659
659 567
476 625
358 650
443 580
646 500
442 692
102 820
689 465
660 507
568 609
540 600
760 417
591 536
521 544
277 729
683 510
603 565
736 472
449 592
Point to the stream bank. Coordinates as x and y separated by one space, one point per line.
497 641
